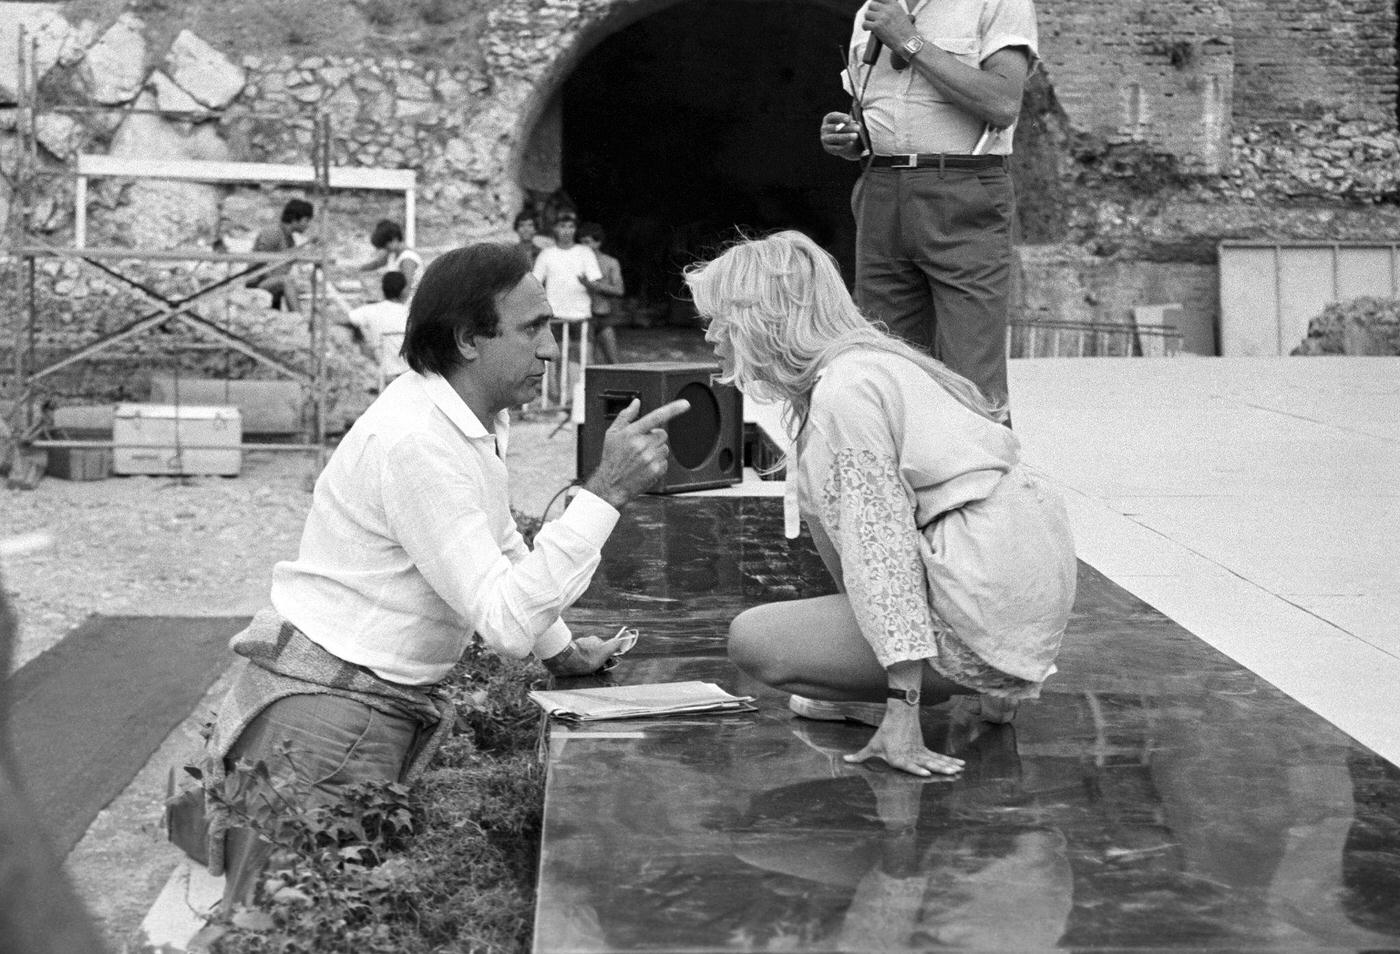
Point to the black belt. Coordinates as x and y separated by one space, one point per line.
937 160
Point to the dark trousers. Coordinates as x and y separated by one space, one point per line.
933 262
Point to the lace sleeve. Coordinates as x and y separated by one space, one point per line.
870 519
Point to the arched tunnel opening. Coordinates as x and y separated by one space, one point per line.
699 122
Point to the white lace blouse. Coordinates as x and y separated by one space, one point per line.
948 549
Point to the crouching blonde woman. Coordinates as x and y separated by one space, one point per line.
954 563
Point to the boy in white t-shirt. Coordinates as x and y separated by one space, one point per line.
382 325
567 272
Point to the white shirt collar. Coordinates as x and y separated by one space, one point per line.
449 402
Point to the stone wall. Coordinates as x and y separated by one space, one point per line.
1161 74
1302 59
1166 127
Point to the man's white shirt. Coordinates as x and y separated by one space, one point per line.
410 545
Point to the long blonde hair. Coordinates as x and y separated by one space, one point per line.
782 306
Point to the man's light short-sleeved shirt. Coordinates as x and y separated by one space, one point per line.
904 112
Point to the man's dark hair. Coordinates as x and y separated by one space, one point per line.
591 230
458 291
385 231
297 209
525 216
392 284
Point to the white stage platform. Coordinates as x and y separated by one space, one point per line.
1256 501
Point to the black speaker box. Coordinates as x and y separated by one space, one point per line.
707 441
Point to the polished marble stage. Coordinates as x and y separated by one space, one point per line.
1158 797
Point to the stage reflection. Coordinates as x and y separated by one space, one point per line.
1156 797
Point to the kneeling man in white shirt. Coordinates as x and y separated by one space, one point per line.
410 548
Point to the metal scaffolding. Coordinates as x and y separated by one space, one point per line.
28 374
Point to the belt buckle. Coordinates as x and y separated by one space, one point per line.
906 160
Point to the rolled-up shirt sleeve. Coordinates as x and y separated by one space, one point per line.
439 514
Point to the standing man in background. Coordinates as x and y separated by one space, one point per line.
603 291
526 230
568 272
932 123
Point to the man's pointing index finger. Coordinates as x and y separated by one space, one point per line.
663 414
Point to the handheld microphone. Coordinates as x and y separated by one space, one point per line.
872 50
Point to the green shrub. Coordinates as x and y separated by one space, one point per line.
438 12
1360 326
382 13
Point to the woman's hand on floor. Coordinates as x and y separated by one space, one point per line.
900 742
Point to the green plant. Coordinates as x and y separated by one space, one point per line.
300 22
333 883
438 12
382 13
494 714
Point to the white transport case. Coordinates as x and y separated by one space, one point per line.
177 439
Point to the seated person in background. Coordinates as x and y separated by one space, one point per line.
603 291
410 548
527 229
296 219
955 563
391 254
381 325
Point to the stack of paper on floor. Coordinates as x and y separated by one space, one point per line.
637 702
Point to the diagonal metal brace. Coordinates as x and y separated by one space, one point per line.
180 309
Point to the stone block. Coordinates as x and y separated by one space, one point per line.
114 69
167 214
56 41
204 72
343 106
171 97
409 86
60 134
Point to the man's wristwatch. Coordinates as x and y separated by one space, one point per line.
910 697
911 47
559 662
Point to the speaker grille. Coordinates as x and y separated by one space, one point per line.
695 433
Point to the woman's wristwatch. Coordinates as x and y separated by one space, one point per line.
910 697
